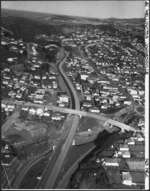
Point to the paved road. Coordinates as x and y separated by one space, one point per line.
53 168
82 113
56 153
26 169
54 171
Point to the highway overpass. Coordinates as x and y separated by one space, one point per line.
80 113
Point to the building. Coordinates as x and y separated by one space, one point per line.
110 162
136 164
124 148
6 82
84 76
138 178
130 141
64 98
139 137
126 102
126 154
6 159
3 105
39 111
88 97
126 178
19 95
87 104
25 108
141 121
32 111
56 116
61 104
94 110
46 113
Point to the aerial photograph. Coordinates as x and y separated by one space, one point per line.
73 95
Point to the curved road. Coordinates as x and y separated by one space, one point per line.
55 165
27 168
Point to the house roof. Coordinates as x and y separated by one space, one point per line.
111 160
126 176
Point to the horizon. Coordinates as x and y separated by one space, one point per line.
71 15
85 9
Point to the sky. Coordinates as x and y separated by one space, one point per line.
94 9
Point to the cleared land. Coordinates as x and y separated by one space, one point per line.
18 130
89 123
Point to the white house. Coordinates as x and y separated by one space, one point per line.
25 108
126 178
37 77
110 162
126 154
3 105
124 147
5 82
61 104
46 113
94 110
88 97
141 121
139 137
84 76
126 102
64 98
19 95
39 111
87 104
32 111
131 141
10 106
56 116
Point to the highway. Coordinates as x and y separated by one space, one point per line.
27 168
54 166
55 154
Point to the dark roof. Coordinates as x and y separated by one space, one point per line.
138 177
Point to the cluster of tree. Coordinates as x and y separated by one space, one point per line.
27 29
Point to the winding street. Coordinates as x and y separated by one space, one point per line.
54 166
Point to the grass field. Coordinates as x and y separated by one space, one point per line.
30 180
24 130
89 123
50 97
114 176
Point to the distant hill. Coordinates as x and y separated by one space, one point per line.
139 21
26 25
46 17
27 28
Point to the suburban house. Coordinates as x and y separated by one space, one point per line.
126 178
110 162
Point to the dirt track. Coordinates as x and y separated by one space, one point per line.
10 121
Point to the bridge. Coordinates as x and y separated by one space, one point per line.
80 113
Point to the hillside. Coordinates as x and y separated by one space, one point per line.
27 25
